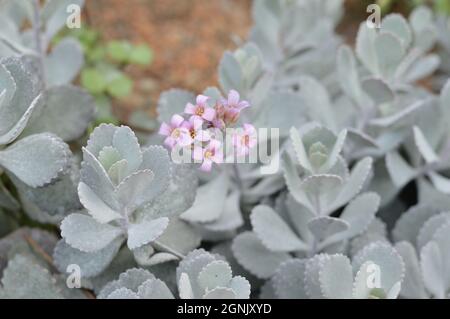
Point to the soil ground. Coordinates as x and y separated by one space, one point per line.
188 38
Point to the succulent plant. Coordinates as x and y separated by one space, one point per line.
350 200
202 275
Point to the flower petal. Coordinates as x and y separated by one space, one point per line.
190 108
209 114
165 129
176 120
233 98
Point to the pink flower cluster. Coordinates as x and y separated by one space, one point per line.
200 129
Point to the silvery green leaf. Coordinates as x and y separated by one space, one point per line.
63 110
125 141
159 258
54 13
94 175
24 279
318 101
412 286
397 25
154 289
424 147
433 269
430 228
409 224
428 195
324 227
91 264
241 287
156 158
180 236
422 68
293 181
178 197
184 287
365 47
273 231
361 288
230 73
336 277
403 118
255 257
376 232
37 159
96 207
354 184
381 183
122 293
321 191
348 75
312 283
360 212
122 262
388 261
288 280
203 209
389 51
19 99
299 216
145 232
132 279
86 234
441 238
421 20
57 69
300 150
274 114
136 190
377 90
220 293
192 265
400 171
173 102
57 198
231 217
215 274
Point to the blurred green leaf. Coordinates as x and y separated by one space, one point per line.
93 81
120 87
141 54
119 51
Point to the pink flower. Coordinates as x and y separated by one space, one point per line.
233 101
209 155
194 126
201 109
245 140
229 109
175 132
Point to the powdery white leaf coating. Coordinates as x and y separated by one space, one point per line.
254 257
146 232
37 159
273 232
91 264
25 279
84 233
288 280
204 209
